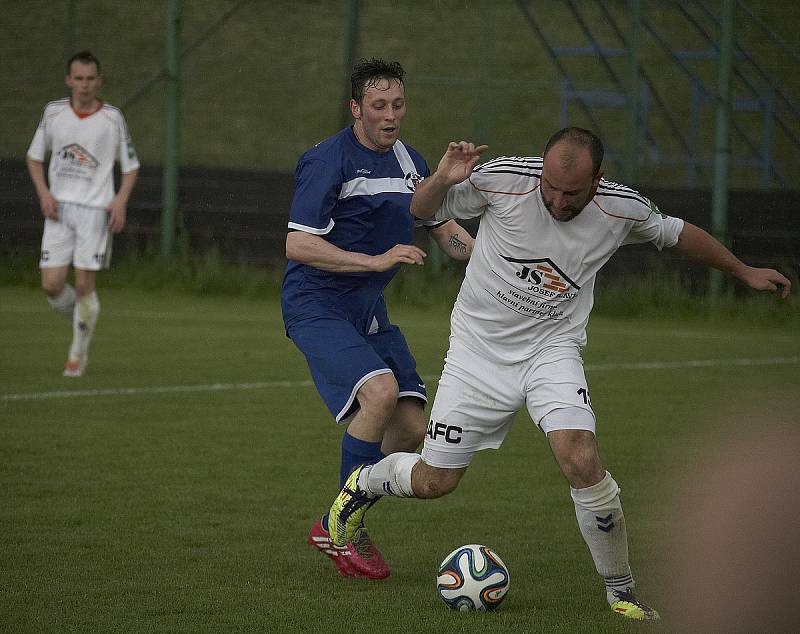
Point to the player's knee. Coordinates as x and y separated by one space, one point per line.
582 468
52 288
431 489
378 396
577 456
431 482
82 289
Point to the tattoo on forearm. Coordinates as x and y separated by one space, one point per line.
457 245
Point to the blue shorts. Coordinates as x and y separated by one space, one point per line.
342 359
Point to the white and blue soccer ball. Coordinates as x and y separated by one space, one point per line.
472 577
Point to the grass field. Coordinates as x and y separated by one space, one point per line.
171 489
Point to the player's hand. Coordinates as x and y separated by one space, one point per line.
49 206
399 254
766 280
117 212
458 161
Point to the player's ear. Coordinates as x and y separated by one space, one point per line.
355 109
596 181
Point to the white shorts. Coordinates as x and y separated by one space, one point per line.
477 400
79 237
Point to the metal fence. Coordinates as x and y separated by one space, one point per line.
260 81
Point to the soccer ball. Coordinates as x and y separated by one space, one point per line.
472 577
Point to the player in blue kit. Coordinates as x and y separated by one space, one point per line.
350 230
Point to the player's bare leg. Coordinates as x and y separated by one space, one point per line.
60 295
380 421
406 428
377 400
399 475
600 518
433 482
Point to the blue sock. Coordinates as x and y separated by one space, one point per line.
354 453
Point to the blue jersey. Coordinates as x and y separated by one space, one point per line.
358 200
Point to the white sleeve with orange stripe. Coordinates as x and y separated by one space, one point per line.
463 200
657 228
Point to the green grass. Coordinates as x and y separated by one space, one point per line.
171 489
659 293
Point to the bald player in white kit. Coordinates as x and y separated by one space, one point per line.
84 137
518 329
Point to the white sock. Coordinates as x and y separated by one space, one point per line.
390 476
64 302
602 523
84 319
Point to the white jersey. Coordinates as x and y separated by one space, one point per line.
83 151
530 280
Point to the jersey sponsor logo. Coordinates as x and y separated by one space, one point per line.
544 277
412 180
45 256
546 289
363 171
451 433
78 156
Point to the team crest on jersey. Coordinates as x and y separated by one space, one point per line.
78 156
412 180
544 278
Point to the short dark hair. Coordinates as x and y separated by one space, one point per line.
367 72
84 57
582 138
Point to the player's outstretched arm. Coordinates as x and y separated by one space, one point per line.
454 240
315 251
700 246
454 167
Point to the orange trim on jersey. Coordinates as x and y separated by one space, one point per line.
492 191
550 276
616 216
542 267
83 115
553 287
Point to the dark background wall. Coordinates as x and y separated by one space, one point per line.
243 215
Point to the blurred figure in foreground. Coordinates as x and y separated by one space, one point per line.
735 554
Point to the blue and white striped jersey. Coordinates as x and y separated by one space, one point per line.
358 200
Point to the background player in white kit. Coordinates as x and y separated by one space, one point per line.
84 136
519 326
